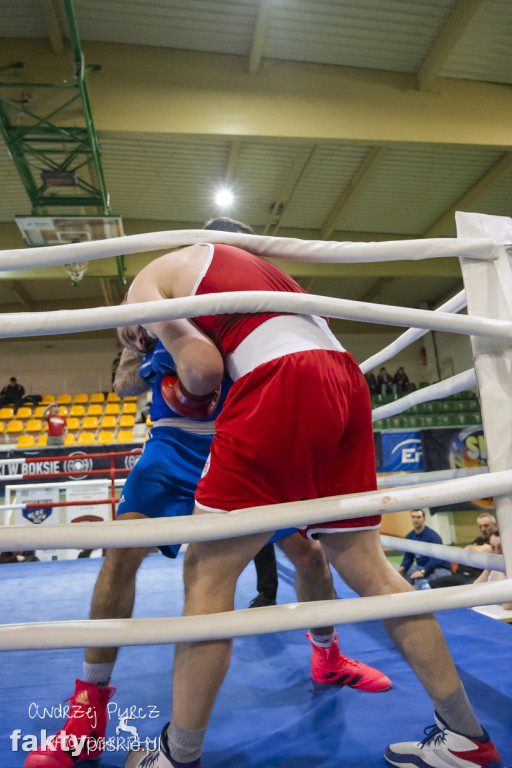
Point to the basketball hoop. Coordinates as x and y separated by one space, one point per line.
76 270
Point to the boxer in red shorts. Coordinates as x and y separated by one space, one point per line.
296 424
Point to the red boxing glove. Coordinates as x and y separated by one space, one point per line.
186 404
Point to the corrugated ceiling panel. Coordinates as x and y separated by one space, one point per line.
411 188
395 35
485 50
163 180
205 25
22 18
262 175
497 200
326 177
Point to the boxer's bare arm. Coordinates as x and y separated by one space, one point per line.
127 382
199 364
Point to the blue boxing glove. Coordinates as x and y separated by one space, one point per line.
156 364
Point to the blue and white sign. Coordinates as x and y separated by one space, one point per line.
402 452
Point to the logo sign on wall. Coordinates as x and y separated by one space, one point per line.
457 449
401 452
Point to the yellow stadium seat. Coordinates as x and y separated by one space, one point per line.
85 438
48 399
77 410
1 426
106 437
38 413
24 412
26 441
80 398
111 409
127 420
95 410
98 397
34 425
15 425
6 413
73 424
113 398
149 423
69 439
63 410
42 440
108 422
64 399
125 436
90 422
129 408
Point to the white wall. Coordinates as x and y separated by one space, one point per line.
51 366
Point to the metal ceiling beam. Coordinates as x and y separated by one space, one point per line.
375 289
369 164
53 26
445 222
278 208
234 151
322 103
258 37
21 294
462 14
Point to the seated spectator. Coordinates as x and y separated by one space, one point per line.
57 425
372 382
12 393
466 574
385 383
487 575
425 567
27 556
401 380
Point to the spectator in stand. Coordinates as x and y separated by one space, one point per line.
465 574
372 382
12 393
401 380
487 575
57 425
27 556
424 567
385 383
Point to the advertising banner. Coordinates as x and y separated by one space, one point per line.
457 449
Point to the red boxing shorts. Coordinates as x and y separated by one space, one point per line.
297 427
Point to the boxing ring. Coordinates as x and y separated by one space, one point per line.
482 246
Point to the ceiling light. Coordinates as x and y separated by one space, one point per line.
224 198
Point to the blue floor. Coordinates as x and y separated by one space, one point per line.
269 712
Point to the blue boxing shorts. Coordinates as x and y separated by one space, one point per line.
163 481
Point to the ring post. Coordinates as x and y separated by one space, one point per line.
488 287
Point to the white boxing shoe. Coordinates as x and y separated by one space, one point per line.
444 748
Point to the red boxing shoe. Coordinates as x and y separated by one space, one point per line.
329 666
83 735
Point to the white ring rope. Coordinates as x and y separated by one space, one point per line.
475 559
271 247
416 478
458 383
96 318
113 633
455 304
242 522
